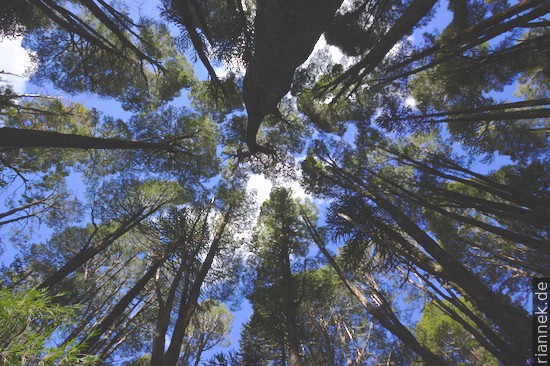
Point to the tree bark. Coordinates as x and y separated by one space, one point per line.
23 138
489 34
289 306
381 313
417 10
472 32
121 305
286 32
87 253
511 320
188 305
163 321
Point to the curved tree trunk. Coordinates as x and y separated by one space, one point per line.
286 32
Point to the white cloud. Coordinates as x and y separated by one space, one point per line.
334 52
411 102
221 71
261 185
347 5
298 191
235 66
14 59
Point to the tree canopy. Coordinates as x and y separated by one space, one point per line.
404 147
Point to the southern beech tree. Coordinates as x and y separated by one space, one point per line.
129 233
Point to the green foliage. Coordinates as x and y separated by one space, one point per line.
446 337
220 103
28 321
77 66
17 17
209 327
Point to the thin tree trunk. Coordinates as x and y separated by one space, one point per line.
539 245
508 317
417 10
478 110
165 309
202 343
483 334
91 315
187 308
475 180
472 32
289 306
343 342
84 255
127 330
382 313
511 319
119 308
482 38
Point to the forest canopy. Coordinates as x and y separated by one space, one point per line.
405 145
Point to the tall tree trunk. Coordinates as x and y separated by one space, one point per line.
125 331
512 320
25 138
417 10
382 313
286 32
91 315
540 246
289 306
121 306
88 253
188 305
478 110
409 252
539 8
165 309
474 32
342 337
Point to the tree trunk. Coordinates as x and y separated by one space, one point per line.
24 138
289 306
381 314
286 32
472 32
88 253
342 337
478 110
512 320
163 321
187 308
486 36
121 305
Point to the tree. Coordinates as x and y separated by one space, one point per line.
379 307
28 318
202 237
446 337
369 211
280 234
405 138
271 70
210 327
